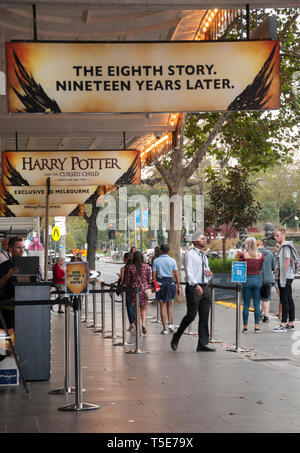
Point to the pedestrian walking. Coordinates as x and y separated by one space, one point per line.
267 280
285 268
165 271
198 297
279 314
157 252
251 289
130 312
139 275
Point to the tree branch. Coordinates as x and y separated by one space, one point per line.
199 155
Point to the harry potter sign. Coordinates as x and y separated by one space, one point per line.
77 168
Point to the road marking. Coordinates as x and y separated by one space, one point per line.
231 305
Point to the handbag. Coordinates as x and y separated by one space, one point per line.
119 287
147 292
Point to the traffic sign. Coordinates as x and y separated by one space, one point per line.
56 233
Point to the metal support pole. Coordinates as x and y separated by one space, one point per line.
157 321
79 405
85 304
137 349
103 310
99 329
122 343
212 317
67 387
237 348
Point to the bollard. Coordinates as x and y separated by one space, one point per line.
79 405
67 387
212 317
137 349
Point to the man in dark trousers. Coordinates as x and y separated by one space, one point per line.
198 297
7 271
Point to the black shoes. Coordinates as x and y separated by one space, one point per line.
206 348
174 342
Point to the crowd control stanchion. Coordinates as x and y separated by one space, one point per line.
157 321
237 347
212 317
103 309
79 405
86 308
67 387
122 343
137 349
97 328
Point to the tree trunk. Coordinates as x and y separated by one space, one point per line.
92 237
224 249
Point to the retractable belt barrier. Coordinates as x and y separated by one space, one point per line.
75 303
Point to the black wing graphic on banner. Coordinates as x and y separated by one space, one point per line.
94 197
34 99
78 211
8 198
129 175
7 212
252 98
14 176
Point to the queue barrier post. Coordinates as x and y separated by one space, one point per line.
137 349
212 316
122 343
67 389
157 321
78 406
237 347
97 328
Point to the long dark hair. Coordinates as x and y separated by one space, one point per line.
138 260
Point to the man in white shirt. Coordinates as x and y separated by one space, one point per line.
4 254
198 296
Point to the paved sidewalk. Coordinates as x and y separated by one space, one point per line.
166 391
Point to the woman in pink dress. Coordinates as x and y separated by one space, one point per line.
139 275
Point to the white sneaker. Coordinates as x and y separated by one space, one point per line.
171 327
164 332
280 329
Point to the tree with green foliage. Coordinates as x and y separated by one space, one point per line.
252 140
232 204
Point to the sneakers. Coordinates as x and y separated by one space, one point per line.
280 329
265 319
171 327
290 327
164 332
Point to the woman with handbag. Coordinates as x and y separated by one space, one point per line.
139 275
130 312
251 289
